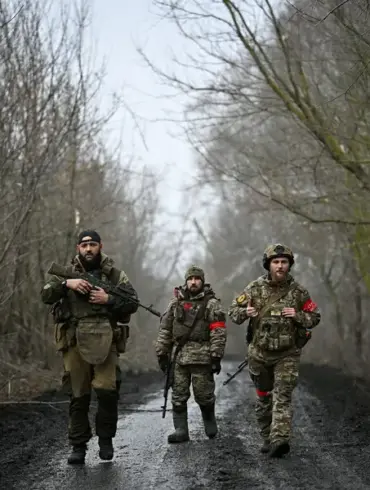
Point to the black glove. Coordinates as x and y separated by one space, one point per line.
163 362
216 365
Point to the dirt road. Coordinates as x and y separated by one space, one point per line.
330 449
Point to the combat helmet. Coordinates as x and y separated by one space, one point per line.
196 271
277 250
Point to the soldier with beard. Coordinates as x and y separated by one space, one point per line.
196 313
90 331
282 315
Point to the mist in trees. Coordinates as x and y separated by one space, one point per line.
58 176
279 120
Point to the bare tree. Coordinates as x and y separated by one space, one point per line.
279 120
58 176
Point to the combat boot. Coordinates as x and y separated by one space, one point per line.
265 448
106 450
78 454
278 449
209 420
180 422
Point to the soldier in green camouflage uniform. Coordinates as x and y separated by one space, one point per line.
91 331
282 315
194 307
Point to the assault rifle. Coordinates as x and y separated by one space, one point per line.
193 315
122 291
239 370
170 375
168 383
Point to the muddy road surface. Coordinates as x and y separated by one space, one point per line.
330 447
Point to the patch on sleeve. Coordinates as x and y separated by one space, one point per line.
123 279
47 286
241 299
309 306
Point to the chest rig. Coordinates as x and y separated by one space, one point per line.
191 314
79 304
273 331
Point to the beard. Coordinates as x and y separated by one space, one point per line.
91 263
279 276
195 290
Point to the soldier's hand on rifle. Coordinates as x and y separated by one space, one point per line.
216 365
79 285
98 296
251 310
163 362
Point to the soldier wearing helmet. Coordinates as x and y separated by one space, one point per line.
281 316
194 322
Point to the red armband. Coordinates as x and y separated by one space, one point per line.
262 393
309 306
214 325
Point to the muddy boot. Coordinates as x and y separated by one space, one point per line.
265 448
278 449
106 449
180 422
78 454
209 420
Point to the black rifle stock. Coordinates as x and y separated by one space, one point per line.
170 375
239 370
169 380
120 291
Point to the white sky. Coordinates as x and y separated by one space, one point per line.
118 28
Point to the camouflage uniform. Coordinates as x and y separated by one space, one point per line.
205 346
90 337
275 346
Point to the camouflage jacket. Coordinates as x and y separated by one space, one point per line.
78 304
202 313
274 332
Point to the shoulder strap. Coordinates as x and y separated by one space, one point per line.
114 275
200 312
272 299
203 308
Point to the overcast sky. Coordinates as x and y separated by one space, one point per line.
118 28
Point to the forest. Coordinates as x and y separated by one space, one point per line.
278 119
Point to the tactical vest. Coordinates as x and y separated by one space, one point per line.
274 332
79 304
94 322
192 314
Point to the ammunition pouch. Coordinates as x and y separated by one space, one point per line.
121 334
64 329
180 315
61 311
64 336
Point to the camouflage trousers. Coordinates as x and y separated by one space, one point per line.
275 381
200 377
79 379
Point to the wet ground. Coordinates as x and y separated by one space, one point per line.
330 448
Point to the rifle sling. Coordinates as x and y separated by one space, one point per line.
186 336
272 299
